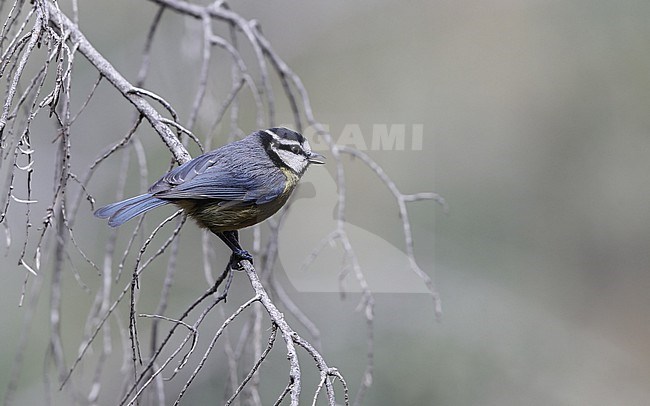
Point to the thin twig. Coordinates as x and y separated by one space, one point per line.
129 91
256 367
212 343
49 91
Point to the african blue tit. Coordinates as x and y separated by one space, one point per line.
235 186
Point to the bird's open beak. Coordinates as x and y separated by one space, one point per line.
316 158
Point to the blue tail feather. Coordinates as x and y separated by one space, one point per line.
120 212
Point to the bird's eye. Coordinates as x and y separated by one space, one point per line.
296 149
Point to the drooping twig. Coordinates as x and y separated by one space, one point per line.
121 84
253 62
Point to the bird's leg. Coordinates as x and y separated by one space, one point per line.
231 238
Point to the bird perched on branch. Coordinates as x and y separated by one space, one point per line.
232 187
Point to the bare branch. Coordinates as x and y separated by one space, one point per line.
402 199
211 346
39 44
129 91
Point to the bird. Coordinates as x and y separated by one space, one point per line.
232 187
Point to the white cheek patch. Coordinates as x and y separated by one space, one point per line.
297 163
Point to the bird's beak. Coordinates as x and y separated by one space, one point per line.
316 158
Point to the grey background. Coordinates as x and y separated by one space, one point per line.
535 117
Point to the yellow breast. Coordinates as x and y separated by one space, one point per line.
292 180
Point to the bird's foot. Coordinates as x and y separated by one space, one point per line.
237 257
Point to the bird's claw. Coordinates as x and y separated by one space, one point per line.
237 257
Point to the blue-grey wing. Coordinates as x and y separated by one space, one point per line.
222 181
185 172
240 172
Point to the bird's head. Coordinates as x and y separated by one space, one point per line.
289 149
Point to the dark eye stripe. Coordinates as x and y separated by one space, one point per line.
291 148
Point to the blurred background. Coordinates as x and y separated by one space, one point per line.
535 122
